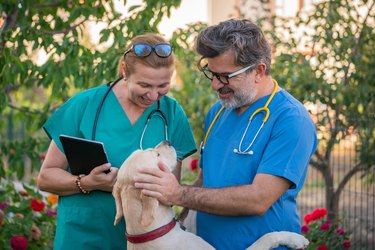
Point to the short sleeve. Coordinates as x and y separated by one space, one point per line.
182 136
288 152
66 119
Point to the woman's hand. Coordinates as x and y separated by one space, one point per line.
99 180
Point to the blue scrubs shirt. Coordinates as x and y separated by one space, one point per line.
86 221
283 148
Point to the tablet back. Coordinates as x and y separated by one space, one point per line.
83 155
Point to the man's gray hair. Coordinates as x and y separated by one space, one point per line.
243 37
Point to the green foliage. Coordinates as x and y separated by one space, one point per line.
194 91
32 89
334 69
18 216
326 58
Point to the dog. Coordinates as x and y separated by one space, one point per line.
152 225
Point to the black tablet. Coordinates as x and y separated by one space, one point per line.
83 155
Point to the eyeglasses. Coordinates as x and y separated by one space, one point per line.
143 50
223 78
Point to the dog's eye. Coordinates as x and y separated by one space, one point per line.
157 154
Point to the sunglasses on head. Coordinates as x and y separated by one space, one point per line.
143 50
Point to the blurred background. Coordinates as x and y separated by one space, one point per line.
323 53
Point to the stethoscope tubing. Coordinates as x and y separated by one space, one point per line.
110 85
156 112
263 109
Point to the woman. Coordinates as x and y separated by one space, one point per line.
117 115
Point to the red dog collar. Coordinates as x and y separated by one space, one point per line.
154 234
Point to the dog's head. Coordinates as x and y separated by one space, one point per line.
163 152
138 160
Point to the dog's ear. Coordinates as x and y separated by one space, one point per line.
149 206
117 195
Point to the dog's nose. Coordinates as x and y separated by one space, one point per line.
168 143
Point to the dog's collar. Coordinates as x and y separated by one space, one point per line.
154 234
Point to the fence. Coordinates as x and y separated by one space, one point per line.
357 201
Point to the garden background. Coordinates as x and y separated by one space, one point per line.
333 74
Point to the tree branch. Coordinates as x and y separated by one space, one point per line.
357 168
46 5
64 31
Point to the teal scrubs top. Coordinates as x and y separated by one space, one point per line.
86 221
283 148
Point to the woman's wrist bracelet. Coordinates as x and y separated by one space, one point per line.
79 186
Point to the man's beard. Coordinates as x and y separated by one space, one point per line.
240 98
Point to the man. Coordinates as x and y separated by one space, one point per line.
257 145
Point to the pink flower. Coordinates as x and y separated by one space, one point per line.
346 244
324 227
51 212
305 229
340 231
3 205
322 247
194 164
18 242
35 233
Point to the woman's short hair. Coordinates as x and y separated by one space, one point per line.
153 61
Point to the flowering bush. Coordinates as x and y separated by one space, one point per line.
323 234
27 217
194 164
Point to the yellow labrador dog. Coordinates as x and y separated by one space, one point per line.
151 225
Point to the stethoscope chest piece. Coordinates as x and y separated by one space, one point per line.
251 152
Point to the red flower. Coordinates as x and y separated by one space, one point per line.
42 156
324 227
308 218
315 215
319 213
340 231
346 244
322 247
305 229
37 204
194 164
18 242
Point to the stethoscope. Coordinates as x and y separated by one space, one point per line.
264 109
156 112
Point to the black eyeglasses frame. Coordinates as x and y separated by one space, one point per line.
219 76
150 49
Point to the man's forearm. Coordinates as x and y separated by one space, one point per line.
222 201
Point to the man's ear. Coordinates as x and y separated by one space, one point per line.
260 72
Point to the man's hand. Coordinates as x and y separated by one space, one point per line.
159 183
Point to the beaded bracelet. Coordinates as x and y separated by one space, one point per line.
78 184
